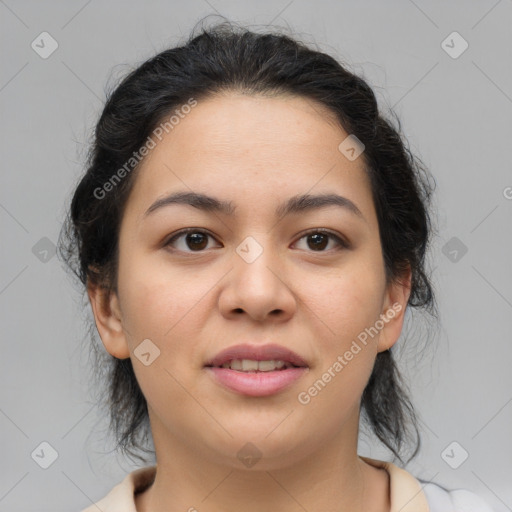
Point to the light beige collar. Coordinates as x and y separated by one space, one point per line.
406 494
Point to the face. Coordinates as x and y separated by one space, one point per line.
311 280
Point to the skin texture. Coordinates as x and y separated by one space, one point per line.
256 152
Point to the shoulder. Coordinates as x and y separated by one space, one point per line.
411 494
121 497
456 500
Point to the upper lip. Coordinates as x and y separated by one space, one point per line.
257 353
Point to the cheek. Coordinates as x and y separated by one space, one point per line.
168 307
347 353
346 305
154 296
164 309
345 302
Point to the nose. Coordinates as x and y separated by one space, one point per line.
259 287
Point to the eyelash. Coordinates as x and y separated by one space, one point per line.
342 244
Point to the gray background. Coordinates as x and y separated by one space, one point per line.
456 114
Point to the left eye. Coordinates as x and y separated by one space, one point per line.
319 239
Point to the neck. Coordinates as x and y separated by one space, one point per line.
331 478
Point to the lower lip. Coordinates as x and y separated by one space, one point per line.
257 383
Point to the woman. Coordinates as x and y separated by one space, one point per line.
250 232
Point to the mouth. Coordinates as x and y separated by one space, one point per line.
257 358
253 366
256 370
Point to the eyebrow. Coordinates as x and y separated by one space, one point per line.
295 204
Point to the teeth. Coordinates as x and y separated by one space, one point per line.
268 366
249 365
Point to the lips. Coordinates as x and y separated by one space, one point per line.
257 353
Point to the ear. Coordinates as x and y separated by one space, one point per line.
108 319
393 313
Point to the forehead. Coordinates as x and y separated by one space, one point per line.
240 144
231 125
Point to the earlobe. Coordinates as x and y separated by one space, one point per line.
394 312
108 319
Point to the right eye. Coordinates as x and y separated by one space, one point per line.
192 238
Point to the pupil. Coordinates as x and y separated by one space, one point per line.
317 242
195 238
